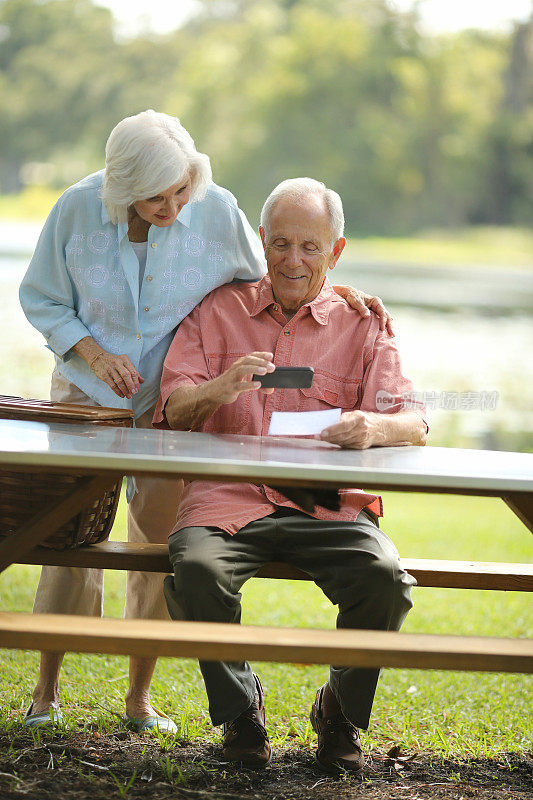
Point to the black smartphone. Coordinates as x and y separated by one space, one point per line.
287 378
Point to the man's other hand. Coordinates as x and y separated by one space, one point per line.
357 430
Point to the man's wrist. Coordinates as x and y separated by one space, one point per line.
212 392
216 392
379 433
188 407
400 429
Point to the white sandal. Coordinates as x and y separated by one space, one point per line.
160 722
51 717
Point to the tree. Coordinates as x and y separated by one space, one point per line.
65 82
510 137
412 130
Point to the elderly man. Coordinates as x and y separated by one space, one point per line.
226 532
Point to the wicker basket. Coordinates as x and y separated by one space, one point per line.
22 494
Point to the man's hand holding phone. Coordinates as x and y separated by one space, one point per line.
257 371
244 376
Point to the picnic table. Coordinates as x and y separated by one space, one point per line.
99 456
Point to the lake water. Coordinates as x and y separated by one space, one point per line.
474 369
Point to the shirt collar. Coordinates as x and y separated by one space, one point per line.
319 307
185 215
105 215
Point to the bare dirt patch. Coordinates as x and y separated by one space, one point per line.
89 766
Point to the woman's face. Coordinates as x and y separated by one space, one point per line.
163 208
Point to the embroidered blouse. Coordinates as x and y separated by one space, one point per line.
83 280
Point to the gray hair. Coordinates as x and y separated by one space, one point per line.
144 155
299 188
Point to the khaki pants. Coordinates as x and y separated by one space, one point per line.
151 517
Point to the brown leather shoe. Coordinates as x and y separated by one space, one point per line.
339 745
245 738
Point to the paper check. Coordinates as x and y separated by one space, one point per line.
302 423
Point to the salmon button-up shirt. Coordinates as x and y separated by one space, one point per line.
353 361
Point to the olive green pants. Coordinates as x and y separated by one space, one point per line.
354 563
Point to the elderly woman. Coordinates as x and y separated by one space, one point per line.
124 256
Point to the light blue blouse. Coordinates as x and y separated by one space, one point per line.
83 280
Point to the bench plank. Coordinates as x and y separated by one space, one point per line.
213 641
428 572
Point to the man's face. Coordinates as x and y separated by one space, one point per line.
298 249
162 209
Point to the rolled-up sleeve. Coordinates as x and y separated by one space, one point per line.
384 388
46 292
185 363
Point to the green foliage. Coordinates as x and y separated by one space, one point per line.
401 125
55 57
65 83
412 130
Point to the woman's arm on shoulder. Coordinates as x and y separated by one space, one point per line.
362 302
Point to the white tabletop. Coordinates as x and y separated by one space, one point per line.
260 459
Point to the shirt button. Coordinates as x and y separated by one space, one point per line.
287 333
275 308
147 308
138 336
154 245
149 277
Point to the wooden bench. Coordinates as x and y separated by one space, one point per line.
102 455
214 641
428 572
208 640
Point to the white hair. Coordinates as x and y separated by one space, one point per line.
145 155
299 188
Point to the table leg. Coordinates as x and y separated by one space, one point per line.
522 505
48 520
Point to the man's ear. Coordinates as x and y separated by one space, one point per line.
338 247
262 235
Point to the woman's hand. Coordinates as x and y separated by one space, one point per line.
362 302
118 372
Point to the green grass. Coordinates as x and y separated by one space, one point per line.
33 203
475 246
452 713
